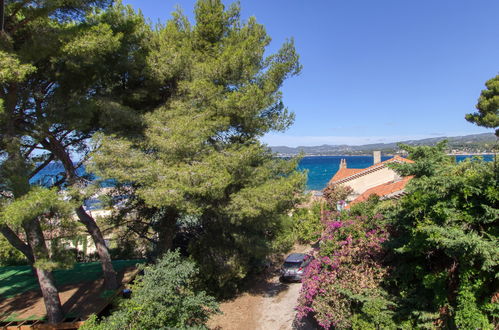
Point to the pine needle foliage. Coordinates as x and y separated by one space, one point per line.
199 154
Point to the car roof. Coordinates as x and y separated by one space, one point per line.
295 257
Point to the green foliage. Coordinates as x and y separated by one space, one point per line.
37 203
468 314
428 160
369 208
199 154
437 269
307 224
286 237
11 69
9 256
376 313
164 297
488 106
446 241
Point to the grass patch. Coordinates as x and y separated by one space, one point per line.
107 294
15 280
14 317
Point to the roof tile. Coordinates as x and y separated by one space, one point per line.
382 190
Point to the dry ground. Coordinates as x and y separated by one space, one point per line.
78 299
267 305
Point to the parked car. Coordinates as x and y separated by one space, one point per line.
294 266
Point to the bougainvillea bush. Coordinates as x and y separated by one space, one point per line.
341 287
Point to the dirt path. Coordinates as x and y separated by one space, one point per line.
268 305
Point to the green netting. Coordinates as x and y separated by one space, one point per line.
14 317
18 279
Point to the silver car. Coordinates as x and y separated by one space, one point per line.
294 266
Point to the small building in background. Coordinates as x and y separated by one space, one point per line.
377 179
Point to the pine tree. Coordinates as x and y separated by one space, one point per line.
68 69
487 106
198 158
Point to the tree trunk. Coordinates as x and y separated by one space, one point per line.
45 278
16 242
110 276
166 233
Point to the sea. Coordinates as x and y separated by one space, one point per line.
320 169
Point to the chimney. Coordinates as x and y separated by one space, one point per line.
343 163
377 157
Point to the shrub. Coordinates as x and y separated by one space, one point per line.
445 243
307 223
334 193
341 286
164 297
10 256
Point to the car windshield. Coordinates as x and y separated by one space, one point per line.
288 264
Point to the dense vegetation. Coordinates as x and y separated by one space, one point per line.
197 169
164 297
429 260
172 114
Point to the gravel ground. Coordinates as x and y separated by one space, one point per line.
268 305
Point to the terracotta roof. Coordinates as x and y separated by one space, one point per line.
387 190
345 174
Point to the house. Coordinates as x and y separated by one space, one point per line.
378 179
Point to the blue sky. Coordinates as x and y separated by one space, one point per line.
375 71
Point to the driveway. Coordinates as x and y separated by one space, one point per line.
267 305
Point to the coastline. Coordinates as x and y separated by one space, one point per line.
387 154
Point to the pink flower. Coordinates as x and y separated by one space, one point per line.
334 225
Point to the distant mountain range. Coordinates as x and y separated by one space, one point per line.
475 143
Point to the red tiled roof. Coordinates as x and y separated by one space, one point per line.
383 190
344 173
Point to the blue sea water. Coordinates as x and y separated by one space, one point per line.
320 169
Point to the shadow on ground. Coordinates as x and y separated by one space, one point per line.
307 323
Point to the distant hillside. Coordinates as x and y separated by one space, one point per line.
476 143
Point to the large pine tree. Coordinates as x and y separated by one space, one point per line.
199 156
83 70
68 69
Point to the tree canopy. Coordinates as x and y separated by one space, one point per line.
199 155
68 69
487 106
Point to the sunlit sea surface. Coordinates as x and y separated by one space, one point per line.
320 169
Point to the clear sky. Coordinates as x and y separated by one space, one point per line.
375 71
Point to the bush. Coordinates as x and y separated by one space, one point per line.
342 285
164 297
445 243
10 256
335 193
307 224
286 238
